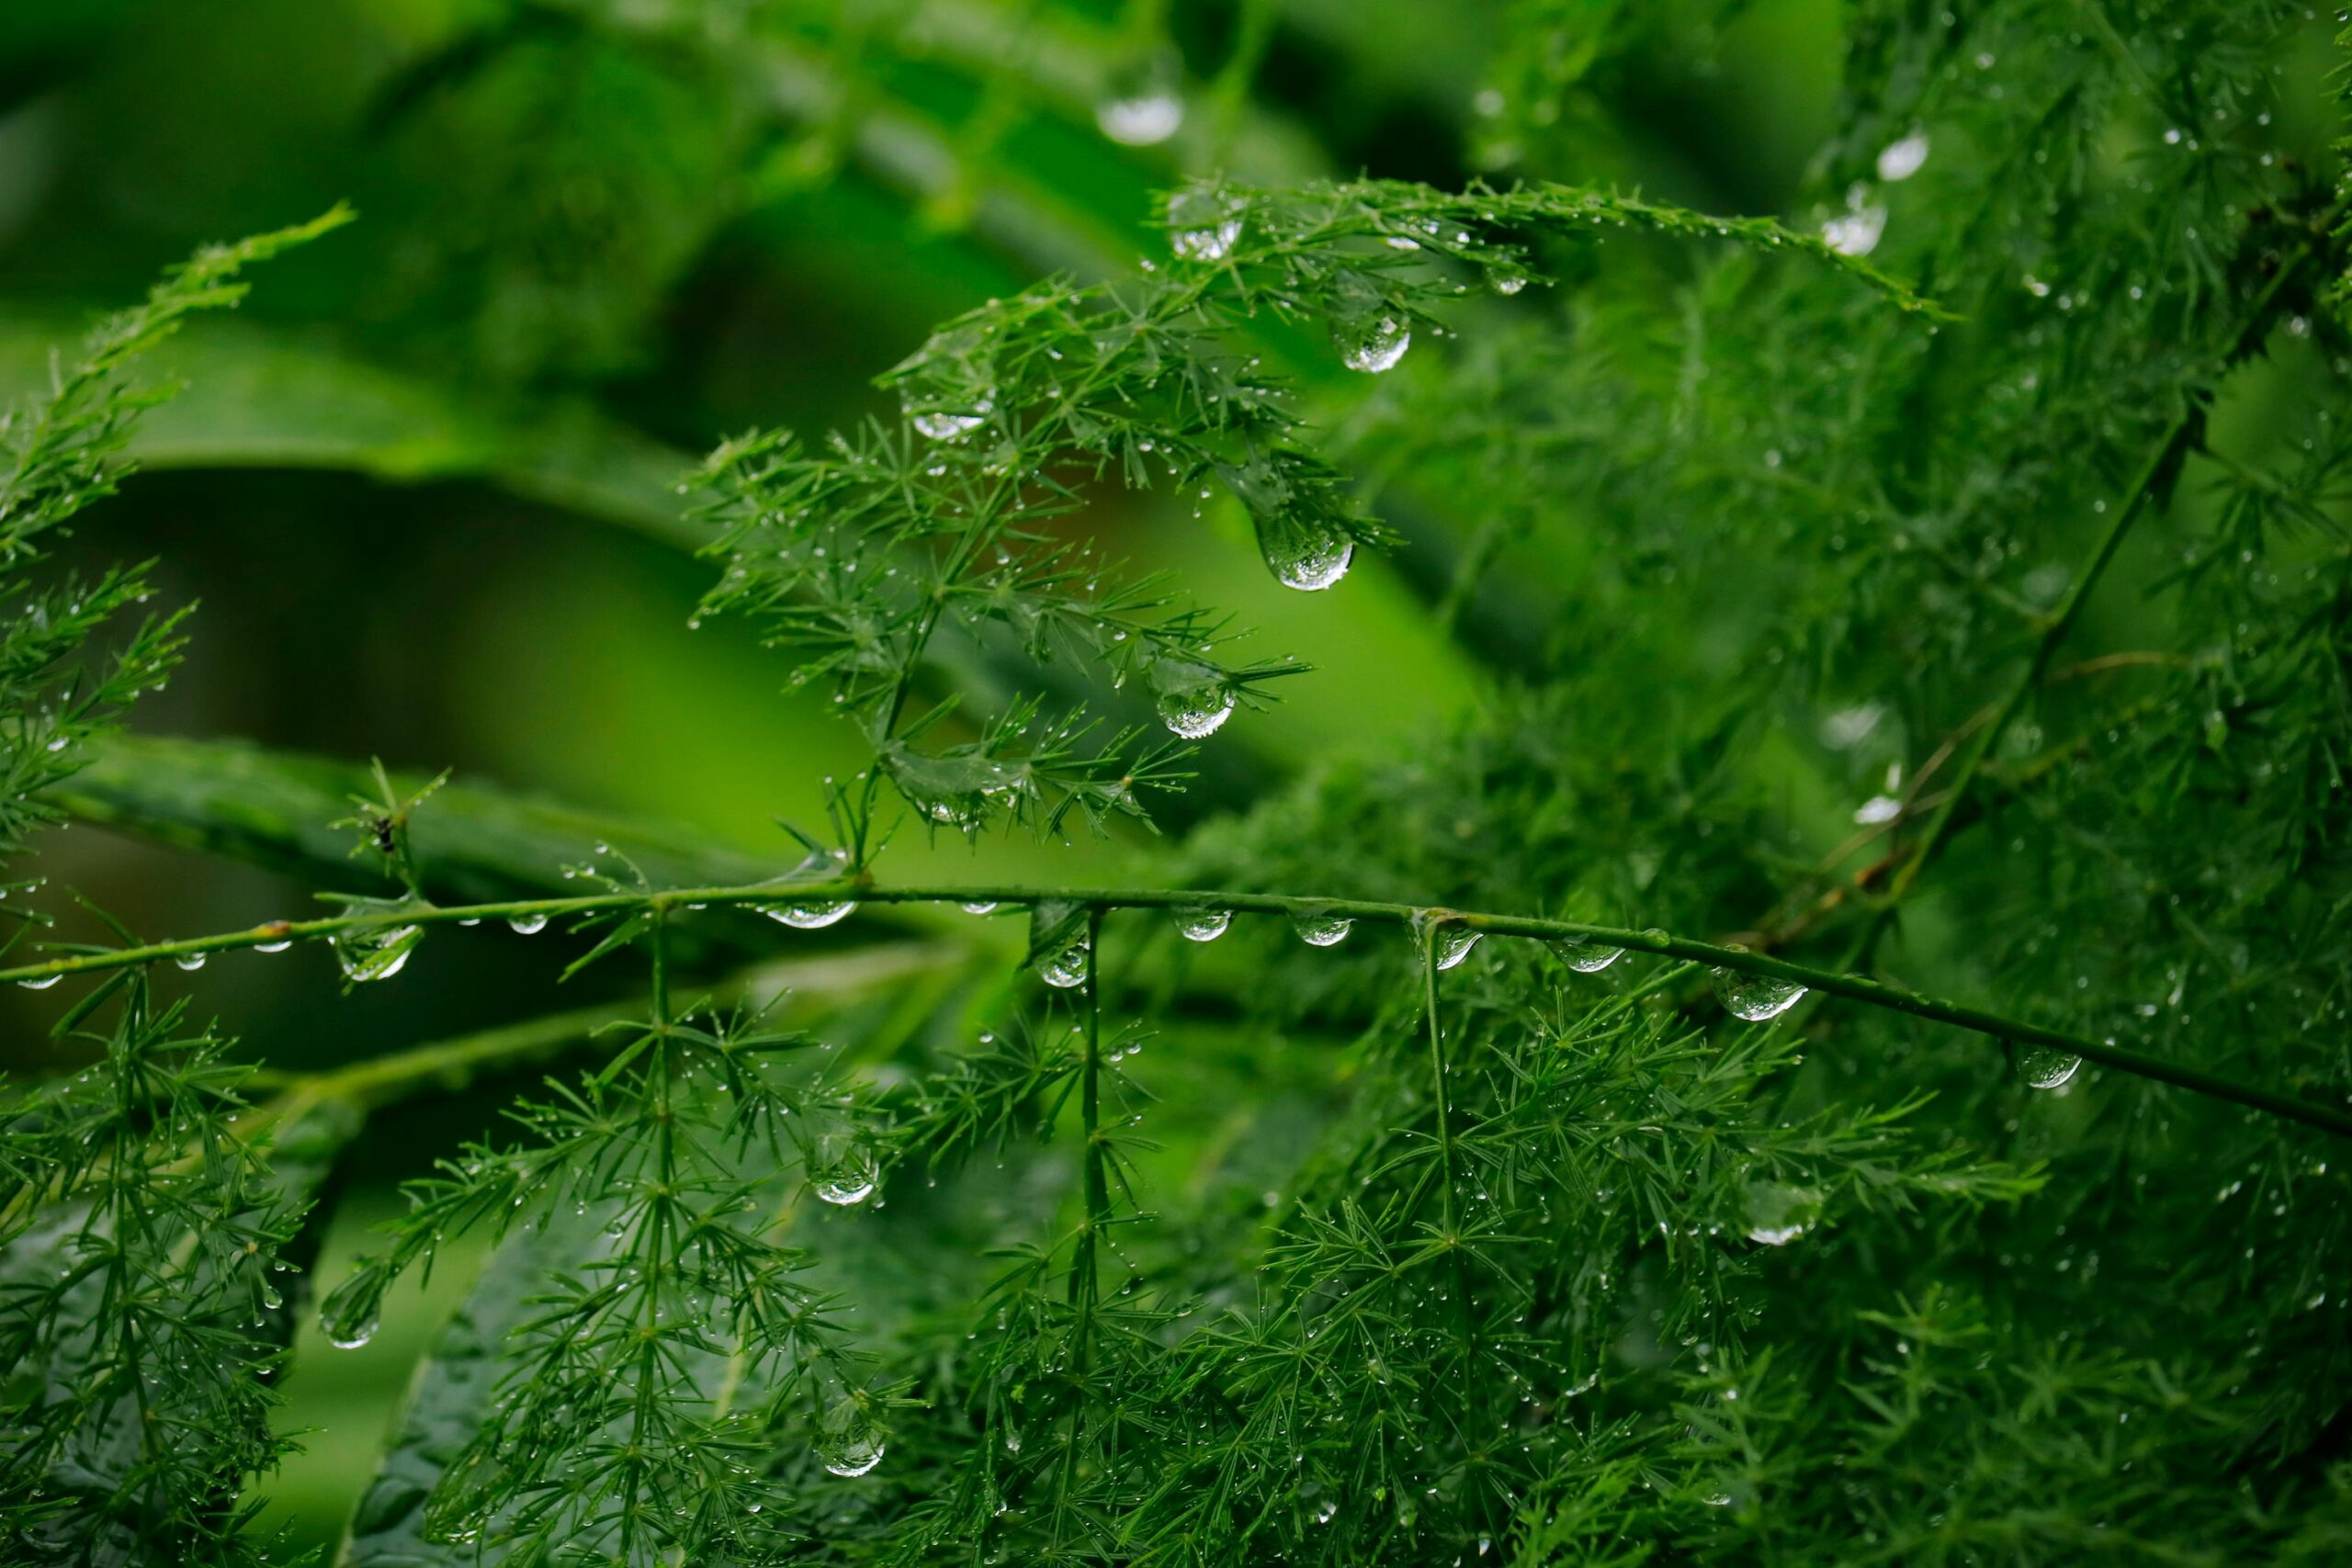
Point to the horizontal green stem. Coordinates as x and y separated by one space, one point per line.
1853 987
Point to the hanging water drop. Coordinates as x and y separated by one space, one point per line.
1309 556
814 914
1447 942
190 961
1755 997
349 1314
1141 107
979 906
1202 925
1320 927
1898 161
1778 1215
2045 1067
849 1439
1373 344
40 982
851 1178
527 925
1584 957
1203 224
1194 699
374 952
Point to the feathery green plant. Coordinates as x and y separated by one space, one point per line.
1569 1151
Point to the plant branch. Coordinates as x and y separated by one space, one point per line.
1830 982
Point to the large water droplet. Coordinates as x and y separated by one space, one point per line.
2045 1067
1857 232
1194 699
1141 107
1061 945
190 961
1203 224
527 925
1307 554
349 1314
850 1178
374 953
940 426
1584 957
814 914
1448 942
1755 997
1202 925
849 1439
1898 161
1778 1215
40 982
1320 927
1373 344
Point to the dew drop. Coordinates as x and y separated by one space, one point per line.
1898 161
1142 107
1320 926
1448 942
1203 224
1778 1215
40 982
350 1312
2043 1068
1194 699
979 906
850 1179
191 961
374 953
1755 997
1584 957
1202 925
527 925
849 1439
1373 344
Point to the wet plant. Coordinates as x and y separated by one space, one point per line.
1836 1055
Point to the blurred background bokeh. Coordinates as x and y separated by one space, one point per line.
423 483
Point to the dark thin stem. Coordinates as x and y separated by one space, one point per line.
1831 982
2135 502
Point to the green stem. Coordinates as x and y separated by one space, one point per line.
1851 987
2135 502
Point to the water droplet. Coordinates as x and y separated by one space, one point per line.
1203 224
1194 699
1373 344
2044 1068
1584 957
979 906
1142 106
349 1314
40 982
1506 277
1320 927
1858 232
1449 941
1066 965
814 914
527 925
1202 925
849 1179
1898 161
1755 997
190 961
374 953
1307 557
1778 1215
279 946
849 1439
940 426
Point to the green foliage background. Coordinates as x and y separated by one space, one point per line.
1704 570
